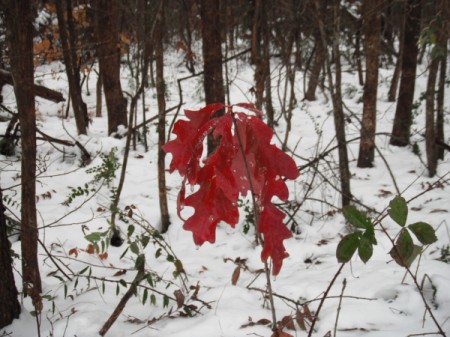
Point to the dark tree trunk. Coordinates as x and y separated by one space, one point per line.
20 42
98 96
68 40
9 303
160 92
336 95
445 14
212 57
107 27
431 132
212 52
392 94
319 58
372 27
261 59
403 115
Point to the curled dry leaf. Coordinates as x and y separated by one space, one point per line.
235 276
287 322
179 296
300 319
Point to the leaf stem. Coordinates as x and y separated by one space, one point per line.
258 237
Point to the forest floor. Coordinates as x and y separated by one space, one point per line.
82 287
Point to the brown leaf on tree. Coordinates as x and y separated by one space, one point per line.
103 256
179 298
307 312
300 319
91 250
287 322
235 276
120 272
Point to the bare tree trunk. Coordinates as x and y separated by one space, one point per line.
403 115
212 57
392 94
68 40
107 26
336 95
439 27
319 59
445 14
160 90
20 42
212 52
372 27
98 93
260 51
430 130
9 303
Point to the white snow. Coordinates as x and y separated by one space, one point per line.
379 300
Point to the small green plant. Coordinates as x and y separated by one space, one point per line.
104 174
363 239
445 254
249 217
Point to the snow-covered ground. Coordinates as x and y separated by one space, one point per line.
379 299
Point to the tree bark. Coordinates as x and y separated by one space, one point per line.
160 92
212 58
107 28
445 15
20 41
392 94
319 59
336 95
212 52
9 303
431 132
372 28
68 40
403 114
261 59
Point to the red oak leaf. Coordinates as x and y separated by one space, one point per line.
244 161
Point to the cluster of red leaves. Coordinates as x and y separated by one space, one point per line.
244 161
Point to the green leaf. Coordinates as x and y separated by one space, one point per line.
398 211
123 283
188 311
130 230
356 217
139 261
145 296
369 234
152 299
365 249
145 239
423 232
150 280
93 237
134 248
403 249
347 247
165 301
